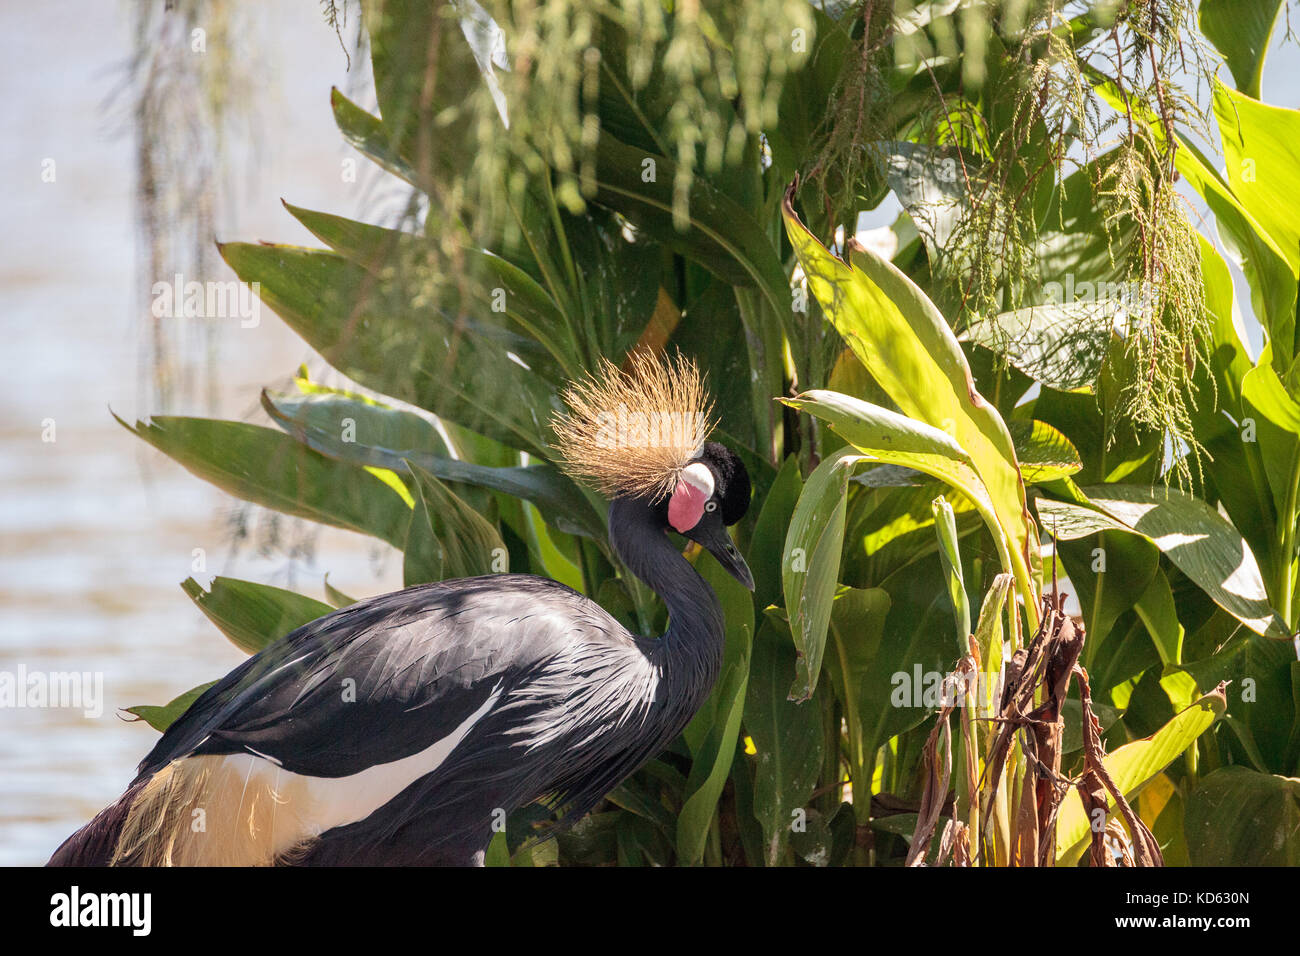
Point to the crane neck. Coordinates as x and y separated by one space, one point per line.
639 536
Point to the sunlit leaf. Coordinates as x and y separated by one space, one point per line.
253 615
1133 765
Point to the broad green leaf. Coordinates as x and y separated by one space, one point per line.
418 48
766 543
270 469
160 717
337 418
1240 29
1236 443
1262 159
1044 453
1270 269
367 134
881 435
908 347
1200 543
448 539
1276 416
253 615
721 236
1158 612
319 421
1062 344
811 564
716 727
390 338
1240 817
945 527
1132 766
858 620
935 201
889 532
1110 574
494 282
787 736
1195 537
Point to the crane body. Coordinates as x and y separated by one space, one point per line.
403 729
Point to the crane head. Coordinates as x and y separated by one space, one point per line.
713 492
641 432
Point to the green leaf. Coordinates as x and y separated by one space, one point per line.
1270 268
945 527
1068 521
1044 453
1240 30
857 627
716 727
338 418
387 336
881 435
1239 477
253 615
787 736
1133 765
1110 575
418 48
366 133
271 469
908 347
379 250
769 532
1240 817
1261 151
447 538
162 717
811 564
1277 421
721 235
1195 537
1200 543
392 437
1158 612
1062 345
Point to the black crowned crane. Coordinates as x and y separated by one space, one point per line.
404 728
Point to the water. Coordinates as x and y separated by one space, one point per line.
96 529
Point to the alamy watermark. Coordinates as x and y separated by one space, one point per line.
179 299
1135 296
635 429
82 690
933 689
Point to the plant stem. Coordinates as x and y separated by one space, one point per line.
1286 563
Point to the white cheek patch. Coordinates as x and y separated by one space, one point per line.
698 476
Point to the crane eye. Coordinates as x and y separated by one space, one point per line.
711 506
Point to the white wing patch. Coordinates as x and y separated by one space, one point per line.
247 810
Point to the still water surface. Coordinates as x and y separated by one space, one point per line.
96 529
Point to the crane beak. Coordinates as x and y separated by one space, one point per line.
718 542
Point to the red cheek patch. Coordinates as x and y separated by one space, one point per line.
686 506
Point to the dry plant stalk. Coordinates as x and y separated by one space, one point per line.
1041 671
